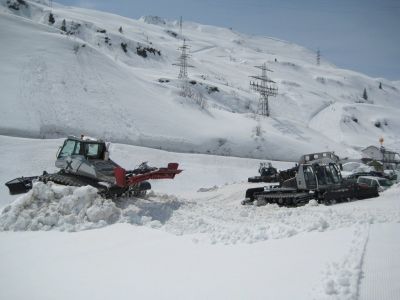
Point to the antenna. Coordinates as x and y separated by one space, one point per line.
261 86
318 57
180 26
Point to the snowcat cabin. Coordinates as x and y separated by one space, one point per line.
90 149
313 176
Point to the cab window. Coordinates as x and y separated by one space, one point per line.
77 150
67 149
309 177
328 175
94 151
335 174
384 182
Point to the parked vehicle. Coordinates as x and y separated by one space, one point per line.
379 182
317 176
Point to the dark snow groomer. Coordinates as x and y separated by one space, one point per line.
318 177
85 161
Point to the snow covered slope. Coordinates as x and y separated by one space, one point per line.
123 87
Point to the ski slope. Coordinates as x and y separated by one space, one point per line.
191 238
54 84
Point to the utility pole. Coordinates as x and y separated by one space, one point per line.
261 86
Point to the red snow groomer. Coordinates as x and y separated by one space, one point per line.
85 161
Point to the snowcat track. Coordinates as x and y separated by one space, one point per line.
112 192
78 181
287 199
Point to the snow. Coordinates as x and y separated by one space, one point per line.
318 108
190 238
380 256
191 241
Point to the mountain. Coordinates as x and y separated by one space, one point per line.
113 77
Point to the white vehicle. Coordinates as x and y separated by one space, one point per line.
381 183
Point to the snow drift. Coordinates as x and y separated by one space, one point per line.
51 206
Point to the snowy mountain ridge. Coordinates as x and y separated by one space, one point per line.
113 77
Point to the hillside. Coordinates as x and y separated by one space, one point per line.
123 86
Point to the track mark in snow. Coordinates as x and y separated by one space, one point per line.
289 129
381 267
203 49
218 217
342 279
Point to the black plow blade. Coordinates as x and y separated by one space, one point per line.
20 185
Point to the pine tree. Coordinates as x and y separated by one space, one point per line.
63 26
120 29
380 85
51 19
365 96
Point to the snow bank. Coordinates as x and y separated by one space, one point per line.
50 206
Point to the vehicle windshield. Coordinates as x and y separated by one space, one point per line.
385 182
68 148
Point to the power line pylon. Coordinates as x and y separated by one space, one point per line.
263 89
183 61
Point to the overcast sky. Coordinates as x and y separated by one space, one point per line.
361 35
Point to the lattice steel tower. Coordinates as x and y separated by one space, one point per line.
263 89
183 61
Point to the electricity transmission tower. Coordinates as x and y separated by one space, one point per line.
318 57
183 61
265 90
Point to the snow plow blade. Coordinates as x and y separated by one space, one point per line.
20 185
123 179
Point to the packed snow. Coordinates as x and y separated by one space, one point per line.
190 238
197 234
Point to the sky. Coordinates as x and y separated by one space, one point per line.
361 35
